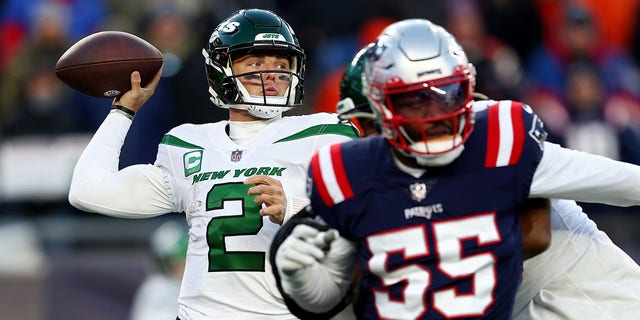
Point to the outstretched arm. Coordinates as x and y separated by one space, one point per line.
98 186
569 174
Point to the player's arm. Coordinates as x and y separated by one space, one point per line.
535 222
569 174
313 267
98 186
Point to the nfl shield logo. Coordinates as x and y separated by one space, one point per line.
418 191
236 155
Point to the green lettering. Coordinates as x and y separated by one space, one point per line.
275 171
238 172
263 170
250 172
196 178
205 176
219 174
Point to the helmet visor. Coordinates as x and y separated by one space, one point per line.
426 101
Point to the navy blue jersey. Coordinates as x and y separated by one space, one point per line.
447 244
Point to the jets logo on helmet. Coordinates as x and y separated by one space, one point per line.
229 27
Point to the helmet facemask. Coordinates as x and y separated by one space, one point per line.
428 121
236 95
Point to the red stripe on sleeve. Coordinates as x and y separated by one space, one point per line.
518 133
338 169
316 174
493 136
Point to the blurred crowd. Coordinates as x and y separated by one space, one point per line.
577 69
576 62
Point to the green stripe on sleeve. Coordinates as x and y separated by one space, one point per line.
177 142
339 129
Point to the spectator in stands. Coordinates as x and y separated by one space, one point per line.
577 41
578 38
590 129
84 18
43 108
46 43
178 33
327 95
499 71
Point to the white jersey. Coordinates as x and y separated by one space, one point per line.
227 260
572 233
200 171
583 274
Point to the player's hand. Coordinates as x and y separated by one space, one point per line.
271 197
304 247
137 96
315 267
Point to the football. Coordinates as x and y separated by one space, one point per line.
100 64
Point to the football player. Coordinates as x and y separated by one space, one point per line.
236 180
428 208
355 108
560 283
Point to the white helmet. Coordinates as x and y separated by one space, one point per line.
419 64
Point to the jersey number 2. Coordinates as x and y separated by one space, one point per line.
246 222
412 243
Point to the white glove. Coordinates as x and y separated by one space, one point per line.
302 248
315 267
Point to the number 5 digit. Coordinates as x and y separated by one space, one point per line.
412 243
480 267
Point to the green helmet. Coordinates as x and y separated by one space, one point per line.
244 32
353 103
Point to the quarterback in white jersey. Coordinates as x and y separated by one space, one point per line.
236 181
226 261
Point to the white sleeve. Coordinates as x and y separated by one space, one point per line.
138 191
569 174
294 205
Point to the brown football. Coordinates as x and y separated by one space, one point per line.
100 64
